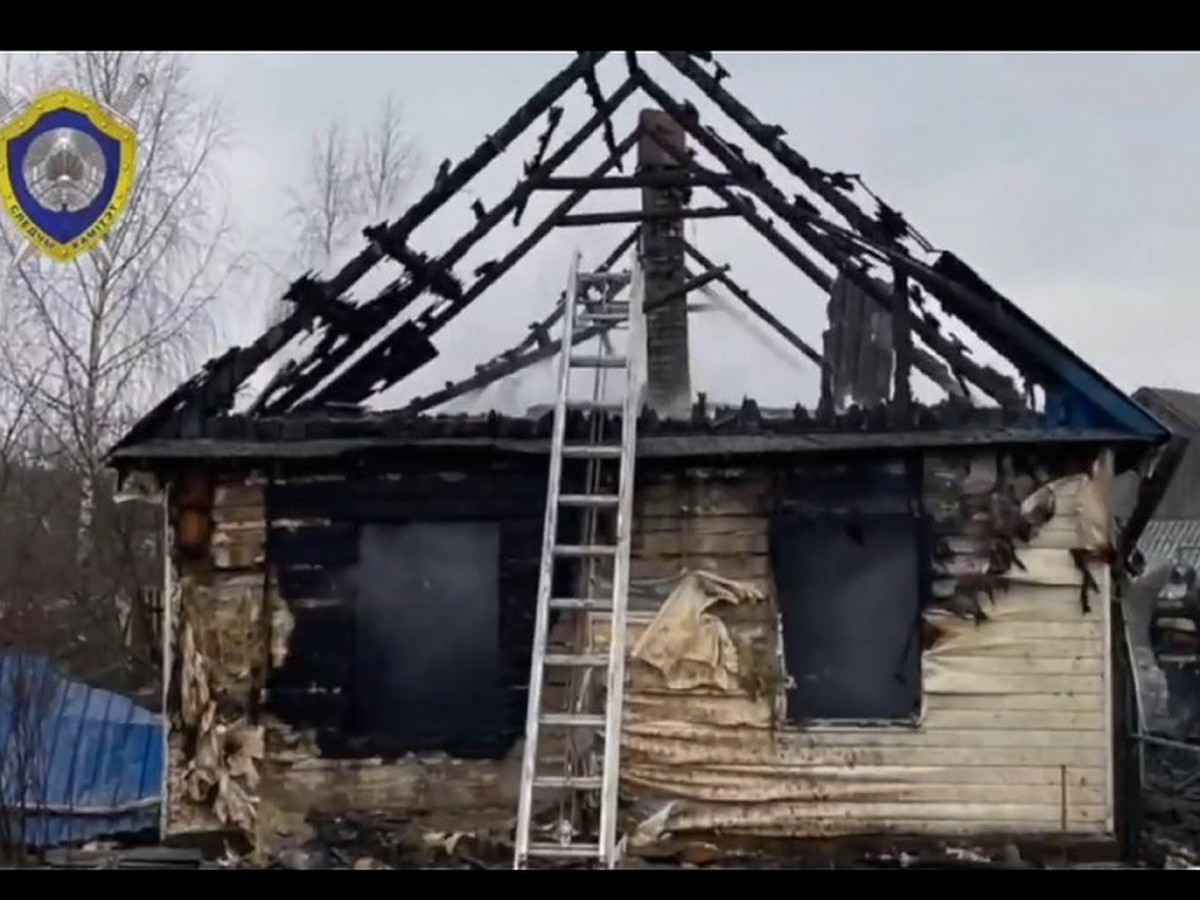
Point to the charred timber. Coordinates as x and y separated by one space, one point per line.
212 390
618 218
361 378
323 360
939 372
770 139
989 381
876 232
659 180
747 300
902 345
502 368
545 324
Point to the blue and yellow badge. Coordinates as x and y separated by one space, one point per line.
66 171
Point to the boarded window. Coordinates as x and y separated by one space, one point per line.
427 660
849 572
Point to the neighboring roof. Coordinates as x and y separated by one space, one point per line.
825 226
1180 410
1162 539
1174 515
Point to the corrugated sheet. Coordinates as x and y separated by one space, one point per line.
1179 409
1161 538
1181 500
1013 737
77 762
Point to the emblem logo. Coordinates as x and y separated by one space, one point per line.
66 171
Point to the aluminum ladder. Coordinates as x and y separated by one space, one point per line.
596 546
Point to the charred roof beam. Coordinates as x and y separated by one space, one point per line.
213 389
510 362
757 308
324 360
989 381
656 180
770 138
881 234
640 215
357 381
933 368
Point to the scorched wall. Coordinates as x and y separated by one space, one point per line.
278 711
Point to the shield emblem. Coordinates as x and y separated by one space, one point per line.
66 171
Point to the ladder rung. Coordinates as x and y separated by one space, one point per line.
588 499
587 604
603 317
573 851
577 550
592 451
569 782
593 660
573 720
598 362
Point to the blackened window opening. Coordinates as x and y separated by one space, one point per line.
427 666
850 571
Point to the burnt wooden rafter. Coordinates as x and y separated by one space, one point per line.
323 361
339 370
837 248
522 356
360 379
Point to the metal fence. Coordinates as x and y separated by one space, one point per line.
76 762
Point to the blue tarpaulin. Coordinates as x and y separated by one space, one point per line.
76 762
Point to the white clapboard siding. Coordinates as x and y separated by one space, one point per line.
1014 736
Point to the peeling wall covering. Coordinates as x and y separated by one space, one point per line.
263 652
1014 716
1013 737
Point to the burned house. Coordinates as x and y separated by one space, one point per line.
874 617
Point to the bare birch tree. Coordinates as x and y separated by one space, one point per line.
348 183
116 327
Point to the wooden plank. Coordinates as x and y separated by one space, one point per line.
1049 812
1081 629
783 752
983 776
770 821
941 678
748 566
820 739
710 524
995 642
234 495
684 543
1023 664
745 497
1044 720
253 515
716 785
1029 702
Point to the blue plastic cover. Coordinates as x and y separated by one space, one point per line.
76 763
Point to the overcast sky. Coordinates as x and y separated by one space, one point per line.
1067 180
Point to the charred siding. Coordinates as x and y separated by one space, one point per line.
1012 738
314 552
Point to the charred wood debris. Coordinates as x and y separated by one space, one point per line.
329 375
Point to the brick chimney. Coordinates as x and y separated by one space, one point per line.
669 383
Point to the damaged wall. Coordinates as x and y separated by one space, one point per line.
1013 735
1013 715
279 645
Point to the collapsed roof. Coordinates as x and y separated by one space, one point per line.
825 229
